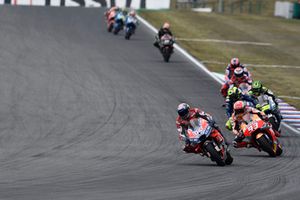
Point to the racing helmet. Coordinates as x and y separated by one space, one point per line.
183 110
132 13
239 72
256 87
234 93
234 62
166 25
239 107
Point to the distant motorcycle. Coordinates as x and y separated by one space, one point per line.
239 80
130 26
261 135
202 138
119 23
166 46
110 21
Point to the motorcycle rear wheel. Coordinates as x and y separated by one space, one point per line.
166 58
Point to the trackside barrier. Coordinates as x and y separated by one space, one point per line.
136 4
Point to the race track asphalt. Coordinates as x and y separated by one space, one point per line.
87 115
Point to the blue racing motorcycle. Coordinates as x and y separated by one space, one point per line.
119 23
130 26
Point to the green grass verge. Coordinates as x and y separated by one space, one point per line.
284 35
261 7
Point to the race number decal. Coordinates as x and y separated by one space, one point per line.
253 126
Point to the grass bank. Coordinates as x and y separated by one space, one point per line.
283 36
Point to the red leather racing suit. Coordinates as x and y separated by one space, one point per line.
229 78
182 126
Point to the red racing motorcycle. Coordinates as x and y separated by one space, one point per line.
261 135
111 21
207 141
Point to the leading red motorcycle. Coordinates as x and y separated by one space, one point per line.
207 141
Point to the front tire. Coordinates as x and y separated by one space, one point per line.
166 54
214 154
109 29
116 31
127 36
229 159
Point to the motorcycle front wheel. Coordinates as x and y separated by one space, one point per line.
166 54
109 29
266 145
214 154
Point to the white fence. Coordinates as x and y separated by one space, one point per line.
284 9
136 4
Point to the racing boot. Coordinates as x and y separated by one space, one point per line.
239 143
242 144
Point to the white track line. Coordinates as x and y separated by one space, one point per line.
196 62
254 65
289 97
200 65
291 112
223 41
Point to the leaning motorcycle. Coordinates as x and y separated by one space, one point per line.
268 106
119 23
244 87
203 140
261 135
130 26
110 21
166 46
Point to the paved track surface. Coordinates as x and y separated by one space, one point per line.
88 115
